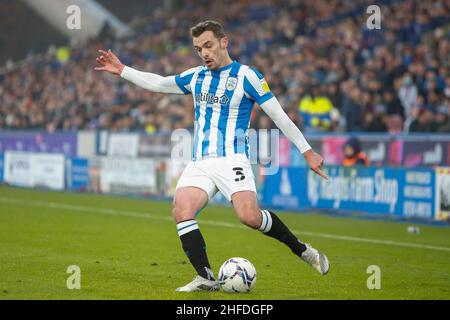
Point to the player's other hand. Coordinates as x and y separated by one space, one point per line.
109 62
315 162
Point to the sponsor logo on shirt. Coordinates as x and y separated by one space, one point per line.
264 85
211 99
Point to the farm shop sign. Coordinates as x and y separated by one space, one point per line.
403 192
352 187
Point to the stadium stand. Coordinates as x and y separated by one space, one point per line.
23 32
396 79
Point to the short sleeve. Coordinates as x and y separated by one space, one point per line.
256 87
183 80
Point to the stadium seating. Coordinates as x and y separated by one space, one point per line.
377 80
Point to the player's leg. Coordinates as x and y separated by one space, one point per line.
187 201
247 209
192 194
234 178
249 213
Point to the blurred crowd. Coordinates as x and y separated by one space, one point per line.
329 71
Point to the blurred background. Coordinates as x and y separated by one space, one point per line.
374 102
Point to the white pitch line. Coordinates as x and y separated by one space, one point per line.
55 205
375 241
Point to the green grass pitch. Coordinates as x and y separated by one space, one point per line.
129 249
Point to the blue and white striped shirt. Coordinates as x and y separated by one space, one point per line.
223 102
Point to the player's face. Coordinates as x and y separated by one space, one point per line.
349 151
210 49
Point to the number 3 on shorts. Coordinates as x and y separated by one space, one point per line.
239 174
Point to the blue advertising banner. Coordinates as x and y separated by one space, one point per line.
394 191
287 188
65 143
78 174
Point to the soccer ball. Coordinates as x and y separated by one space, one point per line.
237 275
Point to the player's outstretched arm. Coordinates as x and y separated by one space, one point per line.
256 87
274 110
109 62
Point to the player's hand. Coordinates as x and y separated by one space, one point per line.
109 62
315 162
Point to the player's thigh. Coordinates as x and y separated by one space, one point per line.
234 178
195 175
245 204
193 191
187 202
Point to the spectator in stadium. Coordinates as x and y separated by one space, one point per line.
375 121
394 124
407 94
264 122
295 117
351 107
353 154
316 110
443 119
425 122
393 104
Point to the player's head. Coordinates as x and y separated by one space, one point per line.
352 147
211 43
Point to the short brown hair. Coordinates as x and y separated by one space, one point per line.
208 25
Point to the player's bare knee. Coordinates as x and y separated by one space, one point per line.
251 219
182 213
182 210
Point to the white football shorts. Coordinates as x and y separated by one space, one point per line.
228 175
